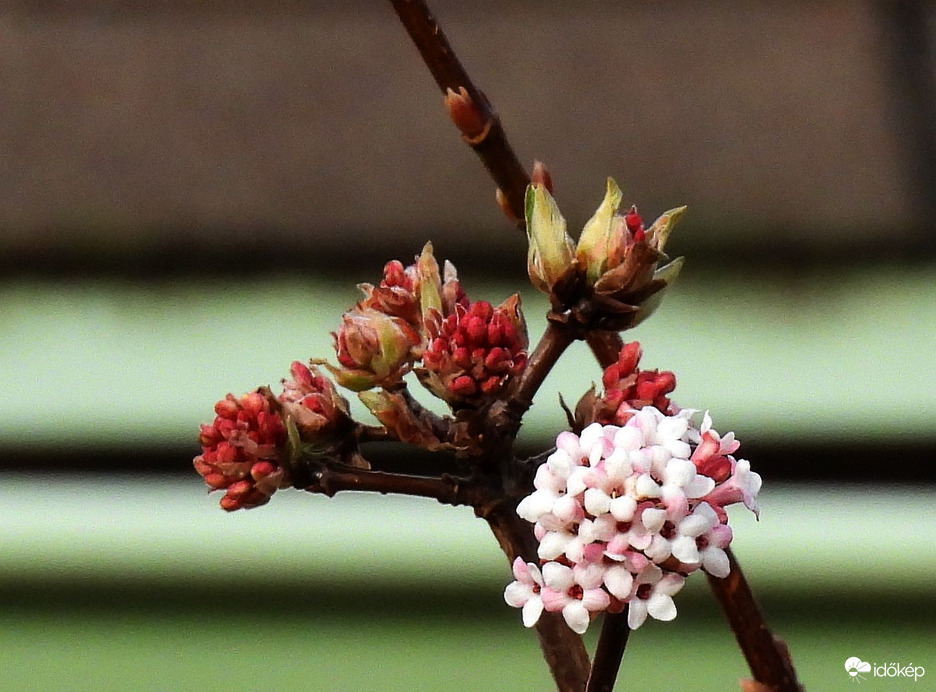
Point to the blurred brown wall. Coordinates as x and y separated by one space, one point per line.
126 123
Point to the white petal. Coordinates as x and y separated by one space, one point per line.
679 472
535 505
597 501
619 581
653 519
553 545
629 438
695 525
645 486
576 617
636 613
715 562
699 486
560 463
557 576
623 508
661 606
672 428
685 550
517 594
576 482
532 610
659 549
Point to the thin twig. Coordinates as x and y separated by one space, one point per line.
493 148
448 490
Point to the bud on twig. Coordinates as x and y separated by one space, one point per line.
466 115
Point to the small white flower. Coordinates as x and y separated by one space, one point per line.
525 591
652 594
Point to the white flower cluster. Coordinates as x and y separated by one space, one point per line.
624 514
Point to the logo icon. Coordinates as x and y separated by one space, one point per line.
855 666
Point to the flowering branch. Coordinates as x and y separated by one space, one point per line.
621 511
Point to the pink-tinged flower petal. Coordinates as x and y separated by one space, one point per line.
568 509
595 599
526 572
568 443
670 584
531 612
547 480
589 576
554 601
619 581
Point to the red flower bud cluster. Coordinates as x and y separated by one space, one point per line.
239 451
473 351
628 389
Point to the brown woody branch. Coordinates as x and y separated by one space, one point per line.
492 147
767 656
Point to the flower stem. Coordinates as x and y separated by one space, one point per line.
766 655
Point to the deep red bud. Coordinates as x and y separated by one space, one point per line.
463 385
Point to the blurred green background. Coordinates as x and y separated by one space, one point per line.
189 194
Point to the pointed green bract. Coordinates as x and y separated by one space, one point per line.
660 231
592 249
551 249
429 281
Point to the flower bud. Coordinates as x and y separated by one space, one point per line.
551 250
473 352
313 404
593 244
240 450
374 349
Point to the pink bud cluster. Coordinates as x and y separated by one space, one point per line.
474 350
239 451
623 514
